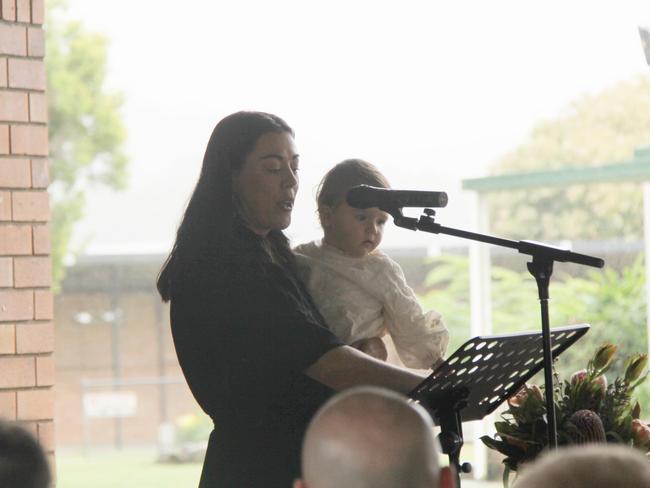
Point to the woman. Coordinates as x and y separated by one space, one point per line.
256 353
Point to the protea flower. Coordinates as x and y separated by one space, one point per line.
519 398
604 356
602 382
582 375
635 366
640 434
578 376
636 411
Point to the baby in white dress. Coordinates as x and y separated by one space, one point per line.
360 291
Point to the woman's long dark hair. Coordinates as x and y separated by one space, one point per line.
206 228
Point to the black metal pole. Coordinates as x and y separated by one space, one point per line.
542 269
451 436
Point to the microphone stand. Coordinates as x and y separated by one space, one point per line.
541 267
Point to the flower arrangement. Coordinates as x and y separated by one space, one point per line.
588 409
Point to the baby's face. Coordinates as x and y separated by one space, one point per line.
354 231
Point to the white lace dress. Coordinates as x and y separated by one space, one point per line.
368 297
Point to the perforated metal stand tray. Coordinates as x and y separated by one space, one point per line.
487 370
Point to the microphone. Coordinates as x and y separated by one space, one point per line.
364 196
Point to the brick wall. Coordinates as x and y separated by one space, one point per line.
26 328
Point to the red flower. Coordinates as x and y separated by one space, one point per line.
522 395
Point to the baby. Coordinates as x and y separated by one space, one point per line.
361 292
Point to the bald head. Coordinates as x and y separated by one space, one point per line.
590 466
369 437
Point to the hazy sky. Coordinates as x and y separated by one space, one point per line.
431 92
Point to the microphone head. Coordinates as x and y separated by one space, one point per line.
361 196
364 196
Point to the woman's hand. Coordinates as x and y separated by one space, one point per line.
344 367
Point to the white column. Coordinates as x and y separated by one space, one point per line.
481 312
646 247
479 272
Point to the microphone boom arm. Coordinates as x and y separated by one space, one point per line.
426 223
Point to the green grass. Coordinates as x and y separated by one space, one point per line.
138 468
122 469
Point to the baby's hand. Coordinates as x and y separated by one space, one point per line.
373 346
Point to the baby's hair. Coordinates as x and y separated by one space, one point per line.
345 175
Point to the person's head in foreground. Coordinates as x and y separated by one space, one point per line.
22 460
588 466
354 231
371 438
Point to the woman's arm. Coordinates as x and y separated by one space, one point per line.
344 367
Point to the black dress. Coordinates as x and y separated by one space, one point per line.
245 330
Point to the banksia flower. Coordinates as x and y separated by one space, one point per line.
589 427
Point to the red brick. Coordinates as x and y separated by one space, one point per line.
9 9
36 42
35 404
43 305
38 11
29 139
45 371
16 305
17 371
14 106
7 339
31 427
5 207
42 242
26 73
6 276
46 435
3 72
40 173
13 40
15 172
23 11
30 206
4 139
37 107
15 239
34 338
8 405
32 272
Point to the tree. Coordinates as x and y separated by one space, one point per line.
595 130
86 131
612 301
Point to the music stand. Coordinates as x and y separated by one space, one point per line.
479 376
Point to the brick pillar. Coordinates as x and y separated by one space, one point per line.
26 328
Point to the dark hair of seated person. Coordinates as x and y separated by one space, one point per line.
22 461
